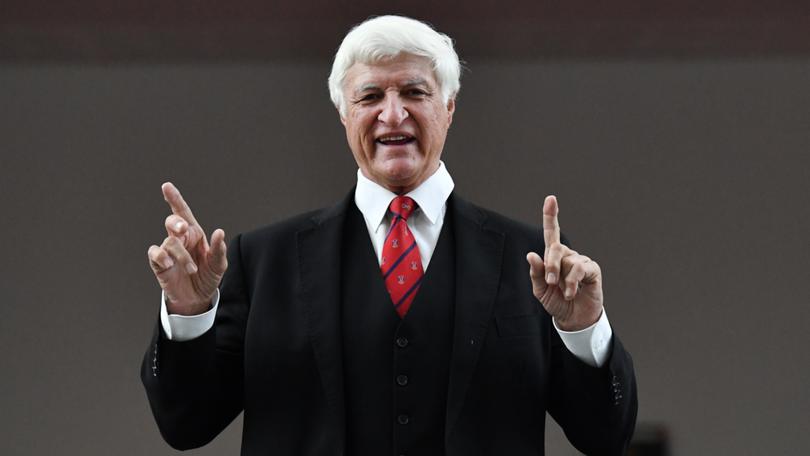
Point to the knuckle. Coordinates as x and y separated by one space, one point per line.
573 277
537 291
173 221
571 273
156 255
175 247
170 242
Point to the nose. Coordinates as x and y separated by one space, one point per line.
393 111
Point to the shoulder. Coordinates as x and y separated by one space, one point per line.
488 219
513 230
282 228
285 231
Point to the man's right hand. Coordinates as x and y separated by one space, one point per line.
186 266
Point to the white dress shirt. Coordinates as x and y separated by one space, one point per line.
591 345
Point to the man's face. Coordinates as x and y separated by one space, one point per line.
396 122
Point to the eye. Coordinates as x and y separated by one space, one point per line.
418 93
369 97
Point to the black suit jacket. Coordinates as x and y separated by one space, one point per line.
275 350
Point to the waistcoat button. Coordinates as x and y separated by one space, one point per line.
403 419
402 342
402 380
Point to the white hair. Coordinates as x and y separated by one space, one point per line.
386 37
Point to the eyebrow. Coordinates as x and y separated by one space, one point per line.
366 87
415 82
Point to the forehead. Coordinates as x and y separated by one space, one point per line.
402 70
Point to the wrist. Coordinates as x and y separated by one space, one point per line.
187 308
576 323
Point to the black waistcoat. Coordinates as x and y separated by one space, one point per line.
396 370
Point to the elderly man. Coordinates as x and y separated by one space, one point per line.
445 334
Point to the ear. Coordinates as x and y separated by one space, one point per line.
451 108
342 118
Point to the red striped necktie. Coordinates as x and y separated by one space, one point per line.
401 264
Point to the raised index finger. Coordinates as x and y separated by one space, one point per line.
177 203
551 226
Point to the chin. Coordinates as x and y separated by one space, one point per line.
402 172
397 180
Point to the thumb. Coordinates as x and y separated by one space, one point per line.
217 255
537 271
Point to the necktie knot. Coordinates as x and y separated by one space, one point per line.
402 206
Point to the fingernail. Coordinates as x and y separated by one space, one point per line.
568 294
191 268
178 226
550 278
167 263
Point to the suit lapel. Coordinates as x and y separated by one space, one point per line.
319 248
479 252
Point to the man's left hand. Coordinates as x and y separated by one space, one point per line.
569 285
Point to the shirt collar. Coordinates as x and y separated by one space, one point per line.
373 199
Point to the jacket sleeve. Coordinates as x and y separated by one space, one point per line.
195 388
596 407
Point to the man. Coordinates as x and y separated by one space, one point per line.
434 338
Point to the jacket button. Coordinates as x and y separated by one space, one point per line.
402 342
403 419
402 380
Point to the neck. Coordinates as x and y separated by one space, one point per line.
402 188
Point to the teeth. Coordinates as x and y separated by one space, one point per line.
393 138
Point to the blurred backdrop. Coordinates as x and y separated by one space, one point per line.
676 137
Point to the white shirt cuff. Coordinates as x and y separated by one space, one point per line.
592 344
181 328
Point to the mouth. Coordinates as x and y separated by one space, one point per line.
398 139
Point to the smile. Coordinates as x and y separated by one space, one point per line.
395 140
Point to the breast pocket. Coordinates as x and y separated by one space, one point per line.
518 325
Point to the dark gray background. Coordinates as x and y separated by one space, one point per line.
685 178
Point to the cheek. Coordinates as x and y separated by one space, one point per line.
362 128
435 131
